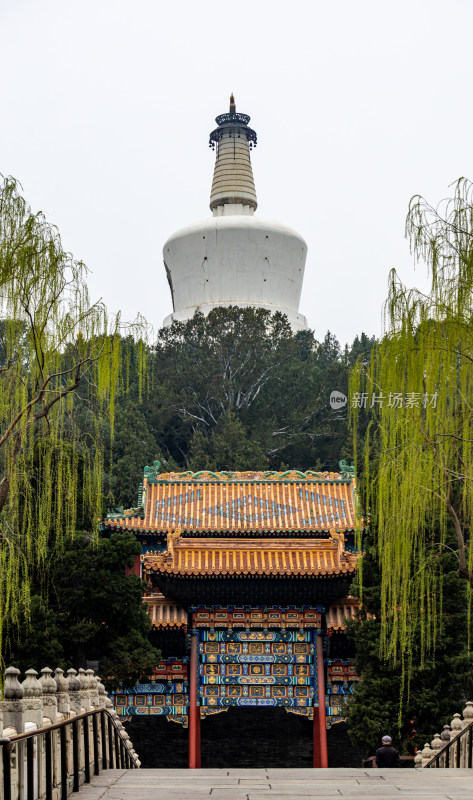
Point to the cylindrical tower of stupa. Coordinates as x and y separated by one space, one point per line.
235 258
233 182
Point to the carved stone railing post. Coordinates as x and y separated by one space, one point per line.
33 719
427 754
91 691
50 716
468 713
33 714
111 708
73 686
456 727
467 718
84 690
445 735
13 711
102 693
32 698
93 688
62 694
48 696
436 745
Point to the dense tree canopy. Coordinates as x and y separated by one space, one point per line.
234 390
91 611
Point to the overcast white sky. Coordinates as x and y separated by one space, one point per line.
107 106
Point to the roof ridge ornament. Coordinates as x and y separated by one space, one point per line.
172 540
338 539
347 471
151 473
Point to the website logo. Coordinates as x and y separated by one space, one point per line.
338 400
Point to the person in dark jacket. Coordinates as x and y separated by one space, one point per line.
387 755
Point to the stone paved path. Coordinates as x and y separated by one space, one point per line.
281 784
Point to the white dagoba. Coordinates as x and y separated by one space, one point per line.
235 258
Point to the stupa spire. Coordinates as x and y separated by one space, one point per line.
233 187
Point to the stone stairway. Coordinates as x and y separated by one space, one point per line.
281 784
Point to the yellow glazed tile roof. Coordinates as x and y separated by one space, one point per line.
164 613
338 613
242 501
252 557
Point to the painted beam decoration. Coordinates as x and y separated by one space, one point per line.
341 680
166 694
260 657
247 657
257 617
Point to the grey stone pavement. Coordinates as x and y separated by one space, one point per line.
280 784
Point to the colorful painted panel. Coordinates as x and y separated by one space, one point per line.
341 679
285 674
256 636
167 687
172 669
248 618
256 647
151 543
268 648
338 670
167 695
153 700
257 667
151 711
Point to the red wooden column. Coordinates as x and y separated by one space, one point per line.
198 751
194 711
316 763
135 569
320 728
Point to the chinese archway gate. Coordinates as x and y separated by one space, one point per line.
251 571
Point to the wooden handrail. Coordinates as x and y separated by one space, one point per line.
54 726
118 755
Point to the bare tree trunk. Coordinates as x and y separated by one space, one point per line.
463 571
4 490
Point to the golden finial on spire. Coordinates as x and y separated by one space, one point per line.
232 104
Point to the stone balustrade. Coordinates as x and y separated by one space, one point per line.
45 702
449 734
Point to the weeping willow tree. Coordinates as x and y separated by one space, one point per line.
418 390
53 343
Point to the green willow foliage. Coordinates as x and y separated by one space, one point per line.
418 450
53 341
